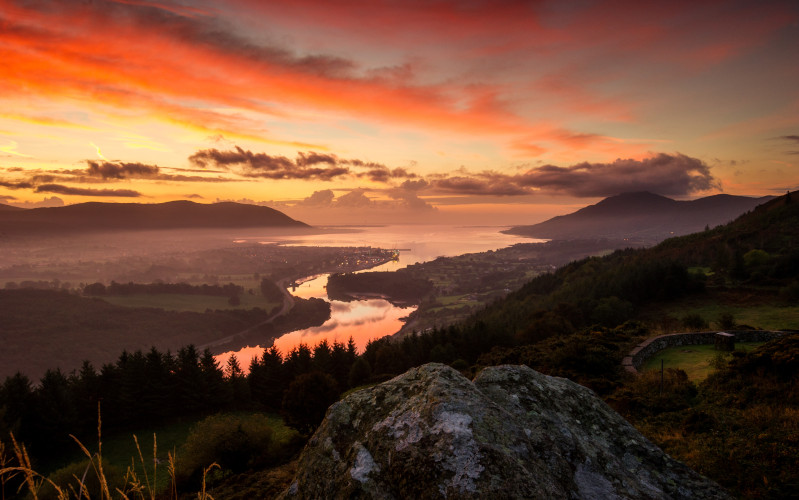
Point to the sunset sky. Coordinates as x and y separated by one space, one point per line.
367 110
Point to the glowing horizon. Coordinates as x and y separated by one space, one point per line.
421 111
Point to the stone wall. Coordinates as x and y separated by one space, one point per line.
646 349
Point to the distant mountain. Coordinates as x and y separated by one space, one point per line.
642 216
96 216
9 208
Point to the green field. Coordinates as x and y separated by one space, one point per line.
194 303
696 360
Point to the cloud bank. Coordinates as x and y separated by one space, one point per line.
664 174
309 165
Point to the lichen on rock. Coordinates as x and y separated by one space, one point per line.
510 433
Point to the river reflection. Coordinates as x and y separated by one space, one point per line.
365 320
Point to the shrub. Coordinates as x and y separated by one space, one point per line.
646 395
726 321
694 322
235 442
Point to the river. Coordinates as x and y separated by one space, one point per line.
365 320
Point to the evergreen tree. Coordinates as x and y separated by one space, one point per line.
237 383
307 399
359 373
340 365
213 390
322 357
269 384
191 386
17 399
86 392
56 415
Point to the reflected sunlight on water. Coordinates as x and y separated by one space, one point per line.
365 320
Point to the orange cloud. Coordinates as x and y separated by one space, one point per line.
142 59
161 63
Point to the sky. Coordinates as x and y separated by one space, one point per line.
379 111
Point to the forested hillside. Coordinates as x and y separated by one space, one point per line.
758 250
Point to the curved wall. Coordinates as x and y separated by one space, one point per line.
646 349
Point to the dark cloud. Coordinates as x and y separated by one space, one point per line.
61 189
16 185
417 185
119 170
662 174
110 171
489 184
308 165
271 167
195 196
377 172
44 178
313 158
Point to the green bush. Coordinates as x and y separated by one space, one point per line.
694 322
235 442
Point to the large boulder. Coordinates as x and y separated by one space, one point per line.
510 433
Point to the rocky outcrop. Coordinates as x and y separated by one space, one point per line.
510 433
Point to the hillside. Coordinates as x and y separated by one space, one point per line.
758 249
97 216
643 216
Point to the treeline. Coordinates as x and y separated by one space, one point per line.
99 289
144 389
38 285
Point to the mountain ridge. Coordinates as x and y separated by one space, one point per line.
643 216
181 214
